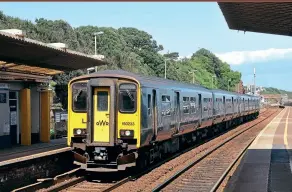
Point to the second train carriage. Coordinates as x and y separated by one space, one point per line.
116 117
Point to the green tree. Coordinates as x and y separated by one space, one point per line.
125 48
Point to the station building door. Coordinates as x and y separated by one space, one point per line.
4 119
9 117
14 122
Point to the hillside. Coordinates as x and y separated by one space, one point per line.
125 48
272 90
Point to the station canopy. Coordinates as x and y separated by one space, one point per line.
20 56
269 17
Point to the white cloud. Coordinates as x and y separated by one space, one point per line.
241 57
183 57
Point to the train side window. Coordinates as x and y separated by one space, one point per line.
102 101
165 98
149 105
193 99
186 99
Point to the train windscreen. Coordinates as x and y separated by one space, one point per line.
127 98
79 96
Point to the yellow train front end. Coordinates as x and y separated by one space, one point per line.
104 122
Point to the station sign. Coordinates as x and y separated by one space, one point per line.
64 116
57 117
4 86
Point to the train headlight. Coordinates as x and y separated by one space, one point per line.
78 131
127 133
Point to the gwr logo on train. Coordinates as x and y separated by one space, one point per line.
101 123
128 123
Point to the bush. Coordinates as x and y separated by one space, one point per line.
52 133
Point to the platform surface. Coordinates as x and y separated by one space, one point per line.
267 165
22 153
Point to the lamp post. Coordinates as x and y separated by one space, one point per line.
254 76
95 44
95 35
165 67
193 72
228 83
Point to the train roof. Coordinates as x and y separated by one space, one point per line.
233 93
225 92
152 81
143 80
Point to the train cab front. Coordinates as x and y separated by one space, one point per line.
112 125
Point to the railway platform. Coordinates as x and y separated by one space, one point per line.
23 153
41 160
266 166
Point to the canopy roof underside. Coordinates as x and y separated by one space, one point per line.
270 18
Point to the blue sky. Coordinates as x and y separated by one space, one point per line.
181 27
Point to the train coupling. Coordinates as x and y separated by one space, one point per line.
100 153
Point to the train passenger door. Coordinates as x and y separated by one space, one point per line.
101 113
233 110
154 113
149 111
200 109
224 106
177 109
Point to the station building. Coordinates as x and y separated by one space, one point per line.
26 67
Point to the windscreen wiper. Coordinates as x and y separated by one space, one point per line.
129 94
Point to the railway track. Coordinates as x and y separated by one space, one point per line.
207 172
77 182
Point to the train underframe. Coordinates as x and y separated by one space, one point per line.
124 155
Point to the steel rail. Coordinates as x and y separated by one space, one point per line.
191 164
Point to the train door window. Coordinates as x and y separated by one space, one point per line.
200 105
186 107
149 105
193 104
177 106
206 104
102 101
224 106
166 105
217 105
154 112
